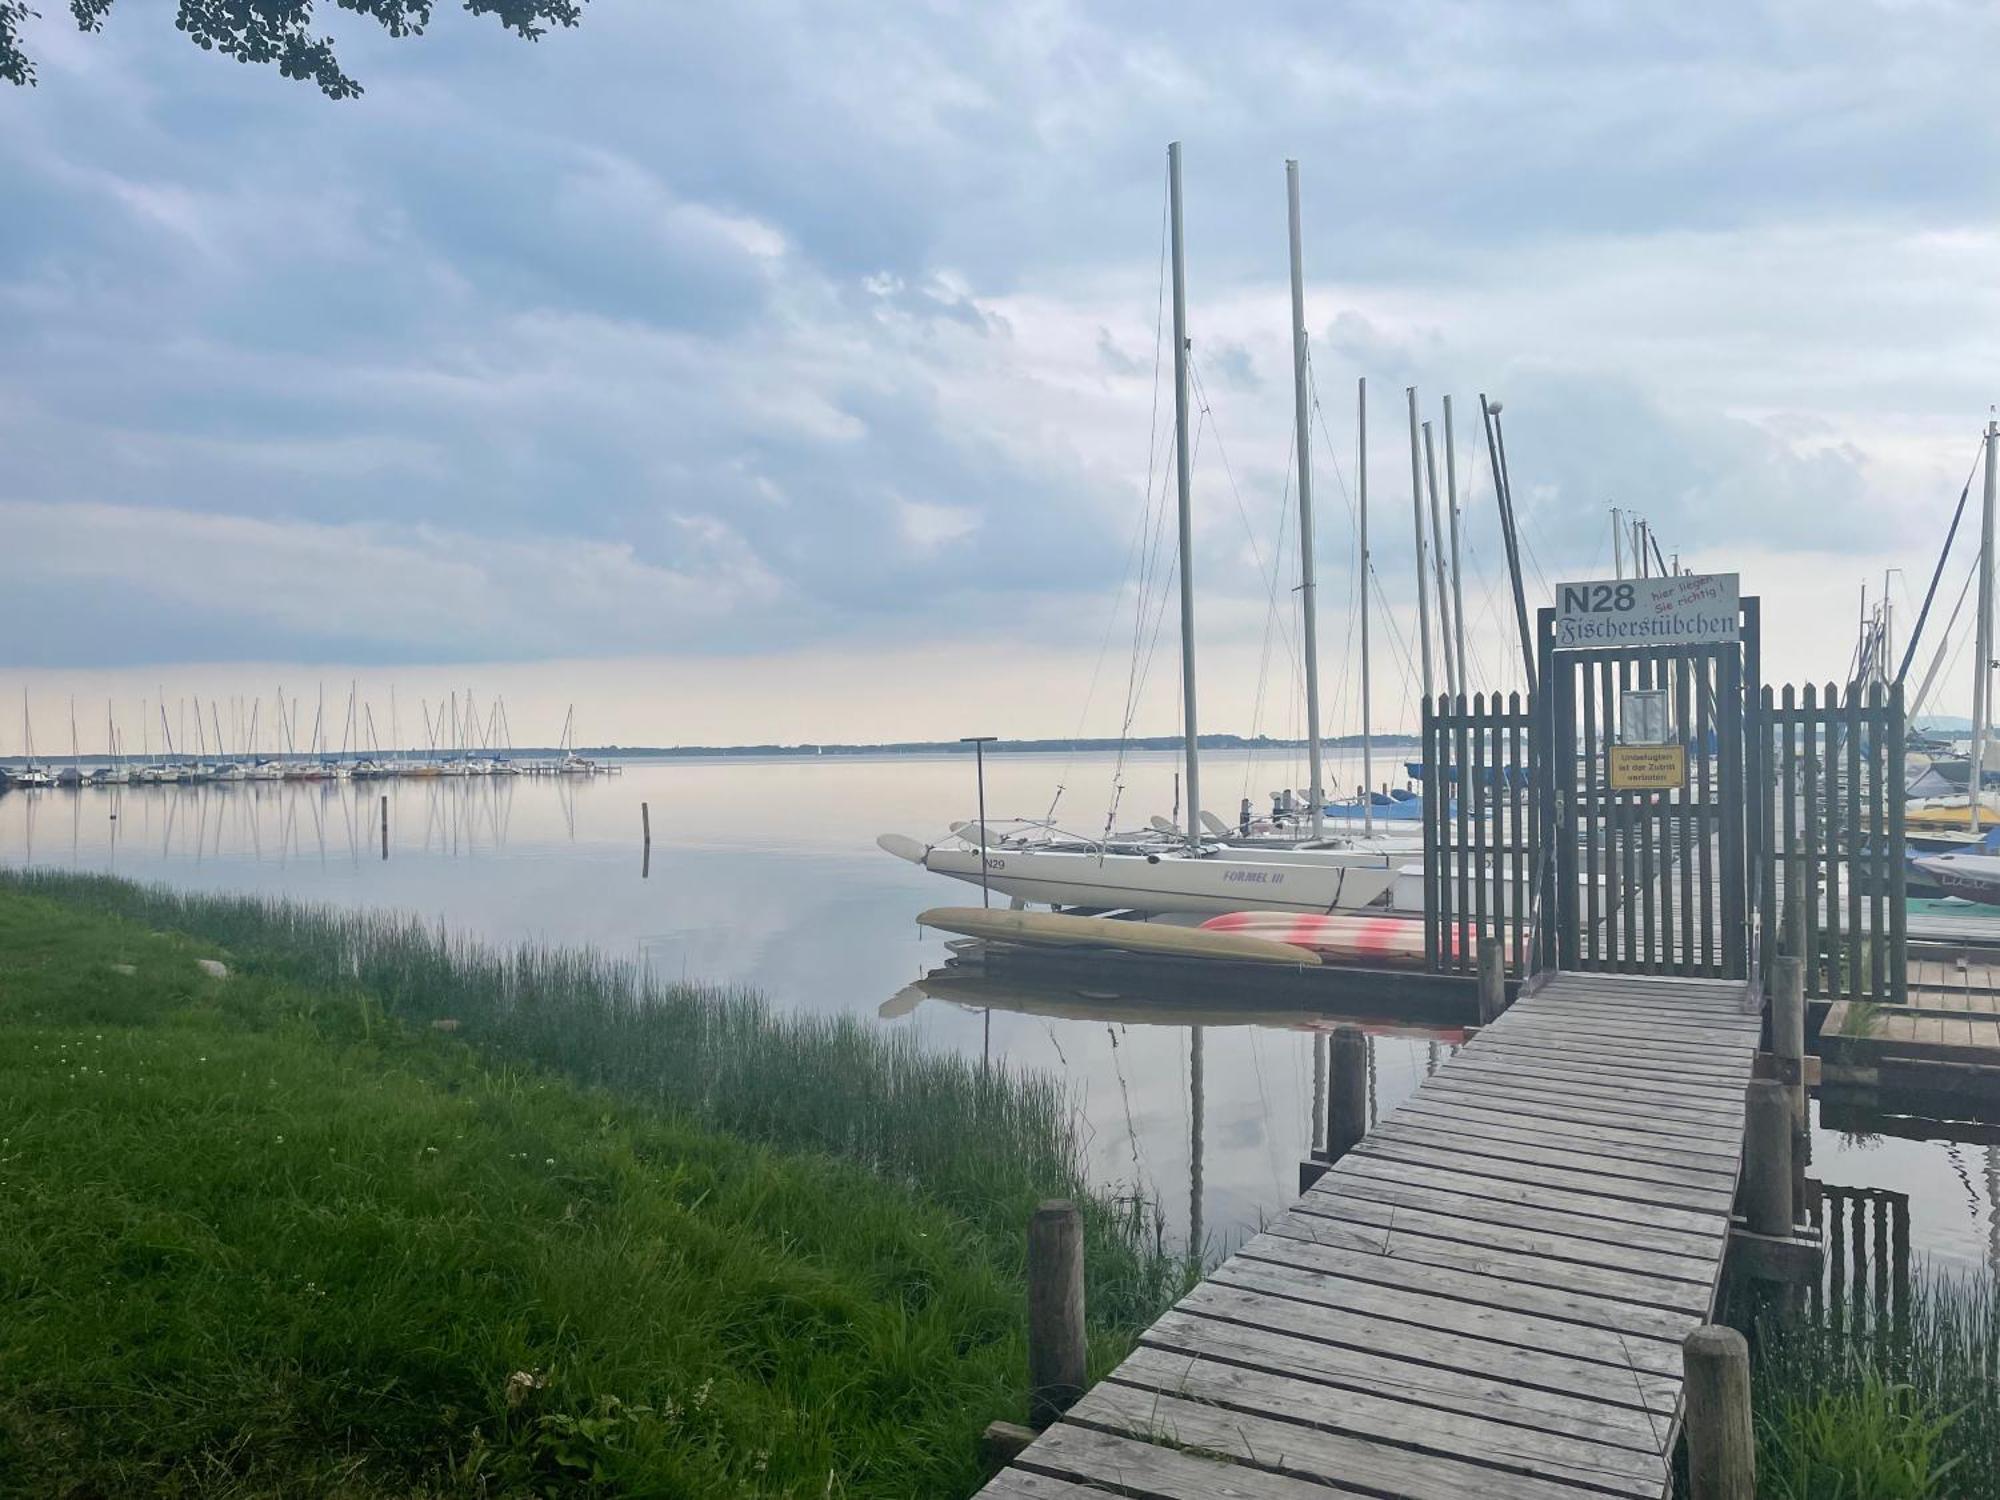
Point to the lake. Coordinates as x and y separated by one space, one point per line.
764 874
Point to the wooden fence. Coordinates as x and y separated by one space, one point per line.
1478 830
1836 814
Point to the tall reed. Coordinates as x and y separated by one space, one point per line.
986 1142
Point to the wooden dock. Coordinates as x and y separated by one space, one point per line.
1486 1298
1942 1042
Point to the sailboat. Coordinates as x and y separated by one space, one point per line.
30 774
1152 873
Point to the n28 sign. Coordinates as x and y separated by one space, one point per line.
1695 609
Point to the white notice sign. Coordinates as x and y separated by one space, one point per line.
1696 609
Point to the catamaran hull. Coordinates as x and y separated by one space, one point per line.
1156 884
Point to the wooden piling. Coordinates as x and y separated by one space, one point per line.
1722 1446
1056 1344
1788 1058
1347 1096
1793 930
1767 1159
1492 981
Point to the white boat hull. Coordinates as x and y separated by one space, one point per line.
1221 880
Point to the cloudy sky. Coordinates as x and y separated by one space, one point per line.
781 371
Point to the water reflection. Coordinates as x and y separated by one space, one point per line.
762 873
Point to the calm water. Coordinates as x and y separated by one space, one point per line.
764 873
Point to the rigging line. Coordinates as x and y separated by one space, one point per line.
1270 624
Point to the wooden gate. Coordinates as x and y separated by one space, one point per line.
1651 882
1478 831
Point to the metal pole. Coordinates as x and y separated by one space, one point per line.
1454 680
1982 678
1451 507
1301 418
1367 738
1617 544
1423 582
1503 485
1189 732
979 742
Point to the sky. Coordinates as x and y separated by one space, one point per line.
780 372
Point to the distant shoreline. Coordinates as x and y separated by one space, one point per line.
807 750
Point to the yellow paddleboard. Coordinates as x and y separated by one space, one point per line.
1053 929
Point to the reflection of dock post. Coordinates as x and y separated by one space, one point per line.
1722 1446
385 826
645 841
1347 1096
1056 1344
1492 981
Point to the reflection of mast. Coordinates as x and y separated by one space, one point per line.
1195 1048
1993 1209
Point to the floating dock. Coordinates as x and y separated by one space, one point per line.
1486 1297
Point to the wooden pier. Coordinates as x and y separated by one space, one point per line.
1487 1297
1938 1046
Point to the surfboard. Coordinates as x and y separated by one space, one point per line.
1053 929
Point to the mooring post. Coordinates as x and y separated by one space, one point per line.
1722 1446
1492 981
1767 1159
1056 1344
1794 932
1788 1058
1347 1098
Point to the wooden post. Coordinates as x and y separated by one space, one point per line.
1492 981
1796 895
1056 1345
1788 1056
385 827
1767 1160
1347 1101
645 823
1722 1446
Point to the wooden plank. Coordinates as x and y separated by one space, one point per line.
1584 1311
1955 1031
1266 1394
1716 1112
1693 1046
1645 1091
1599 1052
1613 1000
1480 1234
1359 1187
1535 1189
1533 1104
1718 996
1480 1395
1129 1467
1264 1443
1611 1016
1445 1349
1489 1260
1986 1034
1020 1484
1421 1130
1501 1124
1663 1204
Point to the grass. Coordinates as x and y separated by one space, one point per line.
1861 1410
278 1235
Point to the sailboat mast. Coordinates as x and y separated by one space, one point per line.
1423 581
1982 667
1301 421
1184 494
1453 678
1367 735
1451 505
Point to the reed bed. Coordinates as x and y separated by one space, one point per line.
1881 1408
986 1143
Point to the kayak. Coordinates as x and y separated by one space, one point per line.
1057 930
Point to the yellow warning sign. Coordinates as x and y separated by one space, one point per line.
1648 768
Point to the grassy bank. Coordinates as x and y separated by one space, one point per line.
1868 1410
281 1234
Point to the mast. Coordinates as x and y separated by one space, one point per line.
1181 479
1451 506
1982 673
1367 738
1503 495
1617 544
1301 420
1454 679
1423 582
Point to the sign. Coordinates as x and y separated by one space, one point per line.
1648 768
1644 718
1694 609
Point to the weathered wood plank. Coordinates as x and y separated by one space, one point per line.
1431 1429
1423 1130
1127 1467
1660 1204
1537 1105
1495 1399
1569 1043
1649 1094
1624 1145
